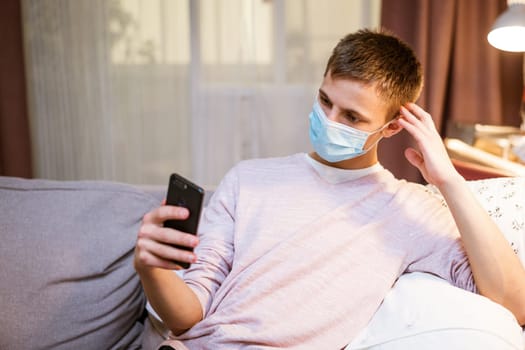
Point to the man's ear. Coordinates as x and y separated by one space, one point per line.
392 129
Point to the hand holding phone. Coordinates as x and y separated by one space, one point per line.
184 193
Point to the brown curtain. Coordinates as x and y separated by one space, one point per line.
466 80
15 147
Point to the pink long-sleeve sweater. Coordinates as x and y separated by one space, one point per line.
289 260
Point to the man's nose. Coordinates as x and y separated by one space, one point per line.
332 114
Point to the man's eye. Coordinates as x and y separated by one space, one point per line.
325 102
352 118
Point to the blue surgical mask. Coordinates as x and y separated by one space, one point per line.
335 142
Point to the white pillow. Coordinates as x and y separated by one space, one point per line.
504 200
426 312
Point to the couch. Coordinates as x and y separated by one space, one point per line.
67 278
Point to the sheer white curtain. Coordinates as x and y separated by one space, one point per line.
133 90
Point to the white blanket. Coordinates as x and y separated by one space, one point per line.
425 312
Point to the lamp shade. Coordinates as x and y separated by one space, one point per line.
508 32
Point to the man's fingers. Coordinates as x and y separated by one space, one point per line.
417 122
160 254
148 259
409 125
167 235
168 252
414 157
420 114
163 247
166 212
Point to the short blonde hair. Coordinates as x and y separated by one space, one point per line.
380 58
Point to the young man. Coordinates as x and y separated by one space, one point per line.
299 252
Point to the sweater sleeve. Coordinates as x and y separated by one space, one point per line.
436 245
215 250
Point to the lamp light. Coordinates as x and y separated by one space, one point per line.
508 32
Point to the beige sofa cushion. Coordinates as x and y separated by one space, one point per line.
67 279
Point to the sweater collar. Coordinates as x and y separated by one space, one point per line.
335 175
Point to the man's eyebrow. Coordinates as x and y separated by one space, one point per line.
347 111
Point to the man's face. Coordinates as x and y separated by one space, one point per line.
359 106
352 103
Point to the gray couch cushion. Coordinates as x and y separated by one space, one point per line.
66 251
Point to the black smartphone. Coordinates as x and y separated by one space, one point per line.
184 193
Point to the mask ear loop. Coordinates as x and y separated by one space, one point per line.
379 139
